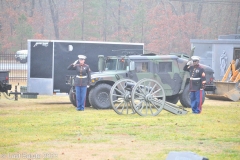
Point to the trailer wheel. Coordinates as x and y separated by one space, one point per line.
23 60
99 96
72 97
185 97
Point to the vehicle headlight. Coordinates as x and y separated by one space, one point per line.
94 80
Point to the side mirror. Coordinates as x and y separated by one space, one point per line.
101 61
132 66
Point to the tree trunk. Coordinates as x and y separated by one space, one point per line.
54 14
41 8
83 13
199 14
237 23
105 22
172 6
183 8
119 17
32 8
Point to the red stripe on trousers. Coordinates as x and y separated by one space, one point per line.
200 103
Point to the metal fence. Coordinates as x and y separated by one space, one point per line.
18 70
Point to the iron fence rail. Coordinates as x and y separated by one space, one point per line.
18 70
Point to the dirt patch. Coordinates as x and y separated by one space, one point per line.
122 147
218 102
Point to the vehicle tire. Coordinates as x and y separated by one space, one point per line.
185 97
173 99
99 96
72 97
87 103
23 60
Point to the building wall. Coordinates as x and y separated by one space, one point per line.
217 54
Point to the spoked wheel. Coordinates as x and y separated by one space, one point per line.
120 96
148 97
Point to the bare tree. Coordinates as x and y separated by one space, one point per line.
119 17
54 14
199 13
42 10
105 21
83 15
174 9
237 23
183 8
32 8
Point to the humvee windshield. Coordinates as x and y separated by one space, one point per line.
116 64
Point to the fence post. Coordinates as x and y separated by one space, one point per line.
16 95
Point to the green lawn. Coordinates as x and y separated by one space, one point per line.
49 125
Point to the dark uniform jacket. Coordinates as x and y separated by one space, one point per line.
83 77
197 77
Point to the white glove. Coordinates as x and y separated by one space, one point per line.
189 63
75 62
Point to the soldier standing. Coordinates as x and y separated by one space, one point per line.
197 83
82 79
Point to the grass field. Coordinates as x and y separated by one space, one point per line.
49 127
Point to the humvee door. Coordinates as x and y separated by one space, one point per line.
167 72
143 70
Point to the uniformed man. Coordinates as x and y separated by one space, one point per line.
197 83
81 81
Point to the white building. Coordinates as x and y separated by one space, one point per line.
218 54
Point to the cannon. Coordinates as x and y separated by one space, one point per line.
145 97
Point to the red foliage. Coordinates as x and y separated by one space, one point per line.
171 32
38 36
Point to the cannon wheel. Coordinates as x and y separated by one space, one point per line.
121 98
148 97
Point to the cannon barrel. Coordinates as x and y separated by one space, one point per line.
146 88
129 86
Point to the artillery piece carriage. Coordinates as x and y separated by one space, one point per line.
146 97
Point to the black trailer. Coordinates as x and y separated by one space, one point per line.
48 61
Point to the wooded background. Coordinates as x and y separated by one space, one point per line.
164 26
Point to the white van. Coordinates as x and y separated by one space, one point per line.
21 56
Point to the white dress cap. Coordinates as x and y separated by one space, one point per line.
195 58
82 57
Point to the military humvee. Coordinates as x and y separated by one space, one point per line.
166 69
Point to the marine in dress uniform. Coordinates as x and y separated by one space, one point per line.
81 81
197 83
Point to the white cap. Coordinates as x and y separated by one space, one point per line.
195 58
82 57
